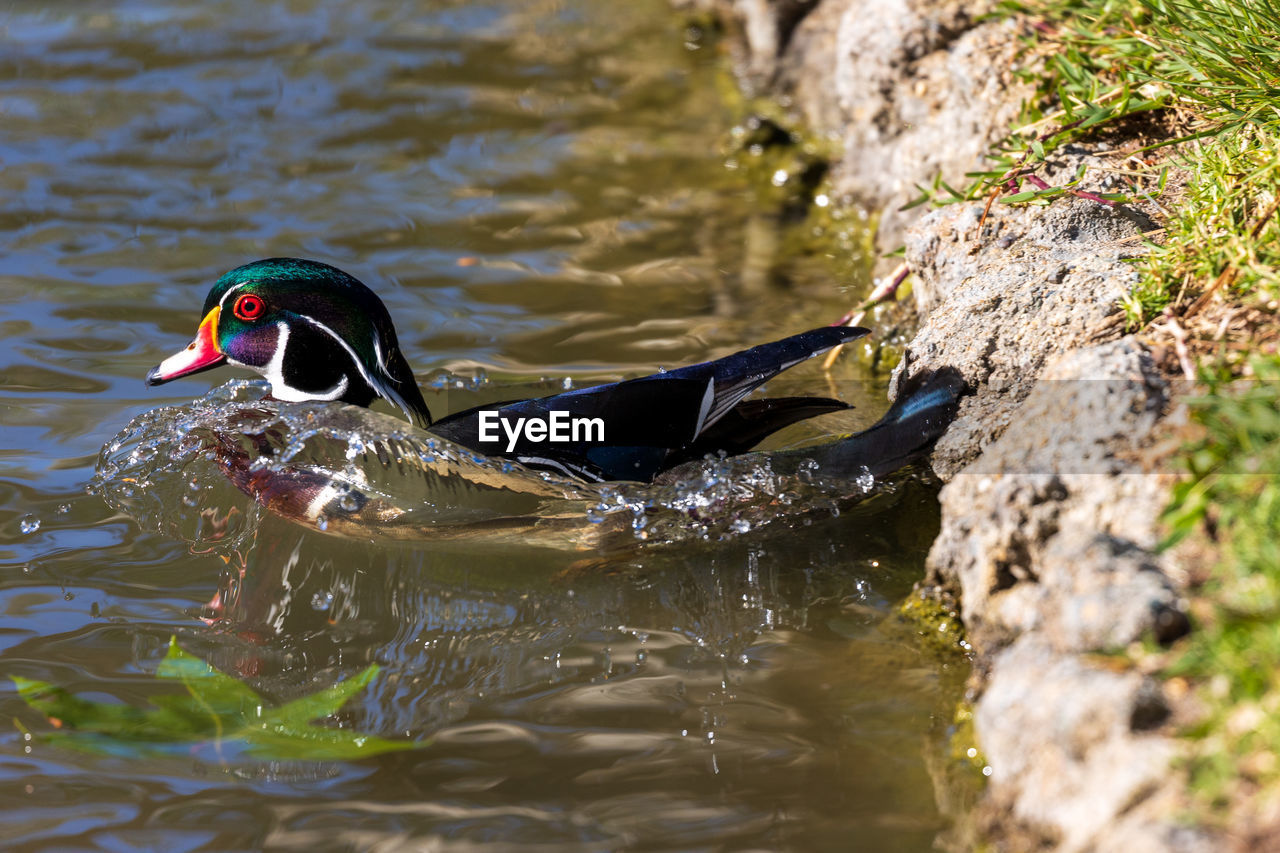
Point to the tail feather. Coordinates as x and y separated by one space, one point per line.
751 421
735 376
906 432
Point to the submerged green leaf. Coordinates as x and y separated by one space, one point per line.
216 709
299 712
62 708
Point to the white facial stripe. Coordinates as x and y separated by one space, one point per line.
222 303
355 359
274 369
292 395
281 390
375 383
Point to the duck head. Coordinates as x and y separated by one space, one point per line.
313 331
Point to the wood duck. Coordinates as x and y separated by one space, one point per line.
317 333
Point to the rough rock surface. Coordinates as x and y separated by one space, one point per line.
1048 540
911 88
1037 283
1089 770
1052 528
1050 515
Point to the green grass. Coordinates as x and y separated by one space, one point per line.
1223 233
1210 67
1232 497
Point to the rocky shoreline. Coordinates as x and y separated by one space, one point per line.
1057 467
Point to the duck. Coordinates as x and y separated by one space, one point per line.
316 333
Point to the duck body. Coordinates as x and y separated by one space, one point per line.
317 333
654 423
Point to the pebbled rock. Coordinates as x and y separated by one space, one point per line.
923 92
1073 753
1038 283
1051 530
1055 476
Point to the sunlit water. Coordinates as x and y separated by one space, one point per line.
539 193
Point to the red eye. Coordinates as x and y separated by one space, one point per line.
249 307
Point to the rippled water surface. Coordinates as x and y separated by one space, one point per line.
538 190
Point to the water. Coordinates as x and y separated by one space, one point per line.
538 191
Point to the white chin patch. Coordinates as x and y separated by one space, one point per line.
280 389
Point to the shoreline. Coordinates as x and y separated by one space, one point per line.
1059 465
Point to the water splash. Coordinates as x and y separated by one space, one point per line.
351 471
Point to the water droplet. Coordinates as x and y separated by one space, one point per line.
63 509
567 384
322 523
986 771
29 524
740 525
779 178
322 600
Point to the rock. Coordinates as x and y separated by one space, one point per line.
923 93
1055 480
1051 530
999 314
1073 754
913 89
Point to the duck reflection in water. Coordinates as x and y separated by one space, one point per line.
471 626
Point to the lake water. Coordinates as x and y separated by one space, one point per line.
539 192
